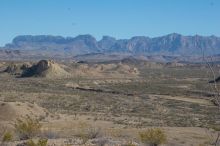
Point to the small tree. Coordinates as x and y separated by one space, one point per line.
153 137
214 87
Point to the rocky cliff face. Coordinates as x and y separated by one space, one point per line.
172 44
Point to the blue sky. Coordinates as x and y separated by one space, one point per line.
118 18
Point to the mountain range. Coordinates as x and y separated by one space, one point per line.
47 46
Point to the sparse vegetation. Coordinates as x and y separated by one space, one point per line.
40 142
87 132
166 94
7 137
153 137
129 144
27 128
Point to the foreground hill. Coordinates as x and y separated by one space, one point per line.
45 68
10 111
51 69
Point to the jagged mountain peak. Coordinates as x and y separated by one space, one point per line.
171 44
106 37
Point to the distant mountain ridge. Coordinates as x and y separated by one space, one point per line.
171 44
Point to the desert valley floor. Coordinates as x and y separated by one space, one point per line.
115 99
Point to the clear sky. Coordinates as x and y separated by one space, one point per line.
118 18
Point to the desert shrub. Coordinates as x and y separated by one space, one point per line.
215 127
50 134
87 132
41 142
93 132
100 142
30 143
3 104
129 143
115 133
27 128
7 137
153 137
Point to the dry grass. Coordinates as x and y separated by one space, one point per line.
61 107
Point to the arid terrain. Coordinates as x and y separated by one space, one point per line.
112 101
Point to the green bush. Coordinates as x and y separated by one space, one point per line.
30 143
27 128
41 142
7 137
153 137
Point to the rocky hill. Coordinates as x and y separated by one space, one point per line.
45 68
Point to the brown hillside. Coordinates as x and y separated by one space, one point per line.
46 68
10 111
